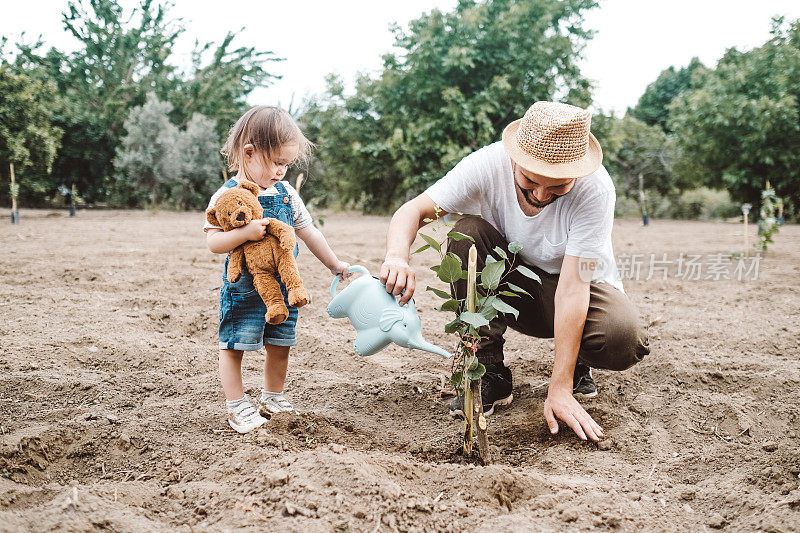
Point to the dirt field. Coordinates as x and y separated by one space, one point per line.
112 417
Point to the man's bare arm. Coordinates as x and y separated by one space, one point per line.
396 273
571 307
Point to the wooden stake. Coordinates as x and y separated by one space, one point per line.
473 403
14 210
299 182
469 420
746 237
72 196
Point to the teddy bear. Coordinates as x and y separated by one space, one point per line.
272 255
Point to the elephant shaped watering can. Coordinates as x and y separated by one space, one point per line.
378 318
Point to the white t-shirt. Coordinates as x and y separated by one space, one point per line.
302 217
577 224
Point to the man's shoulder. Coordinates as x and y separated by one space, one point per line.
595 184
494 152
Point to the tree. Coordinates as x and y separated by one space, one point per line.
146 160
28 138
457 80
121 57
652 108
742 126
640 149
198 164
219 89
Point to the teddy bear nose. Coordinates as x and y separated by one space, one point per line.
240 216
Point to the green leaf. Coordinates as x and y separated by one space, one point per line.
458 236
476 373
457 378
450 305
427 220
456 326
421 249
491 274
439 293
436 268
475 320
486 308
490 259
499 251
433 243
517 289
525 271
503 307
450 269
509 293
514 247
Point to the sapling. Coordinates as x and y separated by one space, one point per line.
481 305
768 224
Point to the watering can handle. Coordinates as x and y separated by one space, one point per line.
354 268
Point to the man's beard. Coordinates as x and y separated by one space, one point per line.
532 201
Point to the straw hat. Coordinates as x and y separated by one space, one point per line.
553 140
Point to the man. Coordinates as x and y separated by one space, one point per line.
543 186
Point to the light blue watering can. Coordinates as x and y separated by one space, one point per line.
378 318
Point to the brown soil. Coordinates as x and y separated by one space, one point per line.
111 414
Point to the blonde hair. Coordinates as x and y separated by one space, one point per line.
267 128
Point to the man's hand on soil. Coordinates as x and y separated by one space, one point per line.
561 404
397 275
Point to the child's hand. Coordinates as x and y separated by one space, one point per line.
341 268
256 229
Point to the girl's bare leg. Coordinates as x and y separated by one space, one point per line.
275 367
230 373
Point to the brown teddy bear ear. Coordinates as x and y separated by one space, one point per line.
211 216
250 186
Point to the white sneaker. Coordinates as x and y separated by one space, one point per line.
274 404
245 418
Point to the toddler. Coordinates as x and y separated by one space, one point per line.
260 147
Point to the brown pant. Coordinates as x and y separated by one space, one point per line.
612 338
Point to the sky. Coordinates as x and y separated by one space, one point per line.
634 39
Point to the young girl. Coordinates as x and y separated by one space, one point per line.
261 146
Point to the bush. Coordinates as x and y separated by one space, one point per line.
705 204
626 208
694 204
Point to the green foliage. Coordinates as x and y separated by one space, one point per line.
742 126
702 203
768 224
653 105
635 148
146 159
123 55
705 204
457 80
198 166
27 136
159 165
488 303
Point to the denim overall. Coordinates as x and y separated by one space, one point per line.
242 325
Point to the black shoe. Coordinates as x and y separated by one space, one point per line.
583 385
495 391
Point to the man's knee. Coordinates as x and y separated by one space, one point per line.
472 226
484 235
620 345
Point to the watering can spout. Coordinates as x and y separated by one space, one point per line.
422 344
